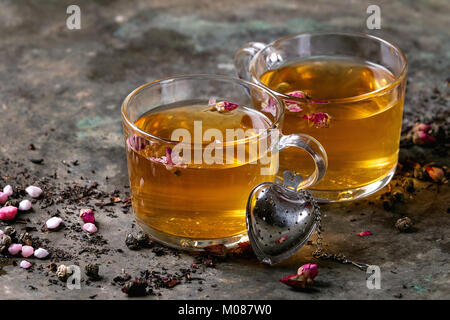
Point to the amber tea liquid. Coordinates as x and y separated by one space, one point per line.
362 139
195 201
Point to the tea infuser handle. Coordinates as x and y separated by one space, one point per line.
315 150
244 56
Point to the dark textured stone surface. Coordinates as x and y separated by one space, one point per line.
61 90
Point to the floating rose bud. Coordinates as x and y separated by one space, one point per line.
40 253
294 108
8 213
34 191
435 173
269 105
14 248
90 227
137 143
309 270
27 251
169 160
364 233
87 215
53 223
25 205
224 106
211 102
3 198
8 190
319 119
25 264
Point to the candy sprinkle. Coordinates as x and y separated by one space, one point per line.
25 205
14 248
25 264
8 213
34 191
8 190
90 227
53 223
40 253
27 251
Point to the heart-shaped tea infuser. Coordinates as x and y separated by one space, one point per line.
281 219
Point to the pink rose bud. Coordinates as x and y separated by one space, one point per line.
364 233
8 190
1 233
25 264
87 215
27 251
422 138
34 191
436 174
25 205
14 248
90 227
3 197
310 270
8 213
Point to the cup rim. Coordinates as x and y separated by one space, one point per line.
206 76
397 79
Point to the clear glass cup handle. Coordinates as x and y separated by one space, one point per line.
315 150
244 56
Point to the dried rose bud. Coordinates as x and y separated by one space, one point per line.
309 270
304 277
5 241
87 215
435 173
421 127
135 288
281 239
422 138
294 281
63 272
404 224
319 119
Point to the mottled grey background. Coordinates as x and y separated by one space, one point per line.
74 82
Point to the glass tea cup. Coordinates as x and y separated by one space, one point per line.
196 146
344 89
